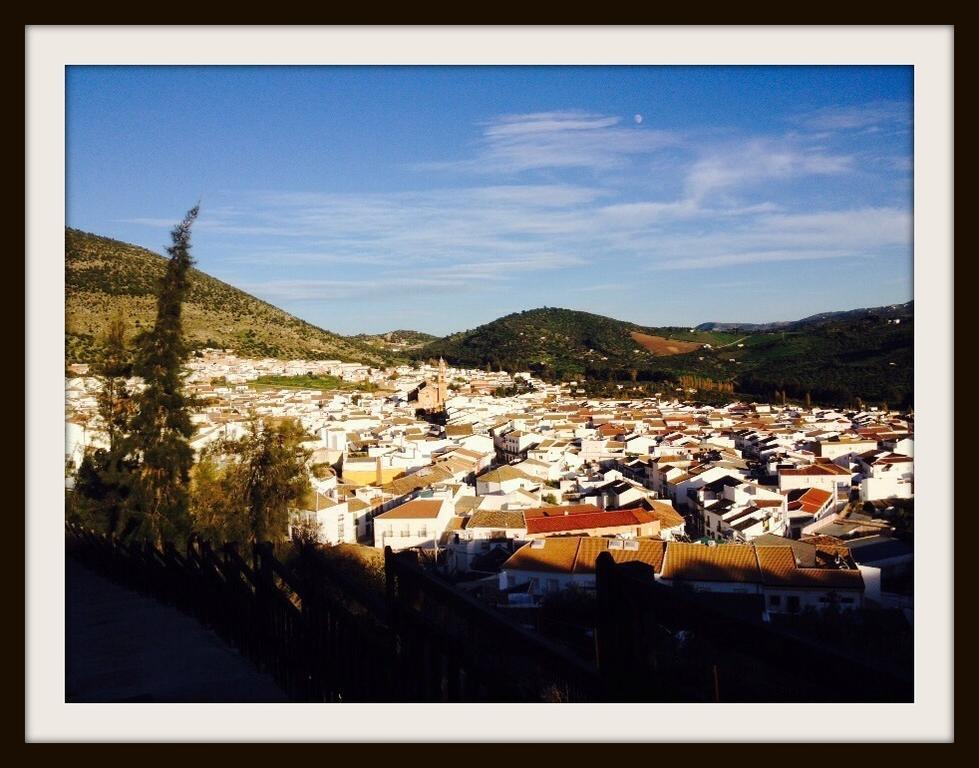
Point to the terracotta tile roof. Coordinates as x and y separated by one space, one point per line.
497 518
421 479
503 474
414 510
814 470
778 568
648 551
668 516
314 501
724 562
468 503
552 555
456 523
571 509
623 518
811 501
573 554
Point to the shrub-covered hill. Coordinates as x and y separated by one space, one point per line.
103 275
555 342
396 340
867 354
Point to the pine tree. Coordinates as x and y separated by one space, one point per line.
161 426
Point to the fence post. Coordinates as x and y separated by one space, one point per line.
264 585
391 589
606 640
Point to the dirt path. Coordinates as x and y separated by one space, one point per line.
731 343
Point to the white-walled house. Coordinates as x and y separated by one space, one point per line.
505 479
417 523
844 448
732 509
886 476
474 538
825 475
333 521
785 583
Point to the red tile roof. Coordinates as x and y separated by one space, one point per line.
622 518
810 502
571 509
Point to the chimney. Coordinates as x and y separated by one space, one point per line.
379 478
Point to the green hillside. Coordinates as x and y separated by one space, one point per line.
103 275
551 342
396 340
863 354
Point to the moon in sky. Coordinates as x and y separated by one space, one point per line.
638 119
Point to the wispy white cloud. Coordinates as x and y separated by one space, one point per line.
758 160
814 236
559 140
738 259
719 208
856 117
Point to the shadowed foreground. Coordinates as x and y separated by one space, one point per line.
122 646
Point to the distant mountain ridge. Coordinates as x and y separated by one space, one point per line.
889 311
104 275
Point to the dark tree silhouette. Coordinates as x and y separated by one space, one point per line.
161 427
104 477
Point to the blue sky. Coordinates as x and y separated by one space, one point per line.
365 199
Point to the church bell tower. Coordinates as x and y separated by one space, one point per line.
442 388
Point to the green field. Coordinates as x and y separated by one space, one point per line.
311 382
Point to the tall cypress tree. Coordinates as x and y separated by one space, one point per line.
161 427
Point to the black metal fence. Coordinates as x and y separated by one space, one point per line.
327 639
324 640
659 643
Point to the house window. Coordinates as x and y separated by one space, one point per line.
775 600
847 600
552 585
793 603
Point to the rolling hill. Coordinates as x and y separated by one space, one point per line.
553 342
103 275
396 341
835 357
